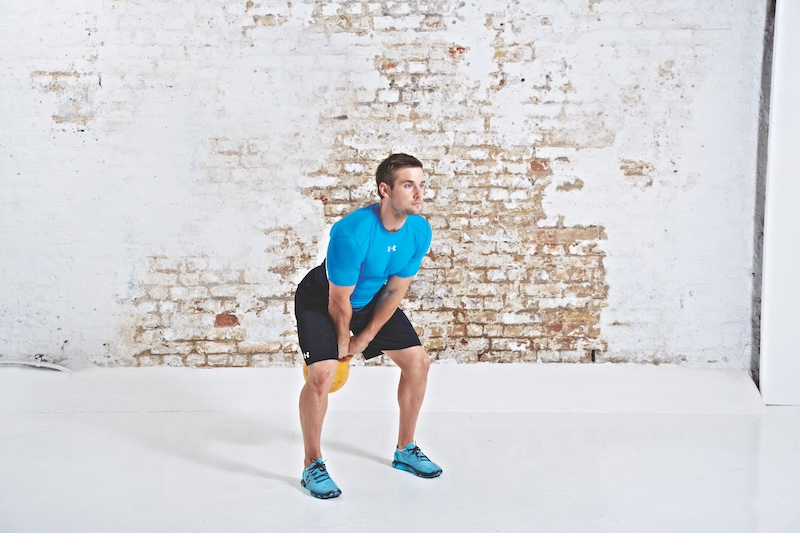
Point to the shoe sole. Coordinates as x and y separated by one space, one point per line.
408 468
322 496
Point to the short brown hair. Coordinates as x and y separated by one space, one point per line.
393 163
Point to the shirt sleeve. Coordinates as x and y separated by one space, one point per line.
423 245
343 261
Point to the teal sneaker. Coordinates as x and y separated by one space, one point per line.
411 459
318 482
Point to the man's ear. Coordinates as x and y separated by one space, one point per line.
384 189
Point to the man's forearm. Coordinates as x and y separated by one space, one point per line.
340 314
385 307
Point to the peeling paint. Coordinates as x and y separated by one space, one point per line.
73 93
638 173
574 185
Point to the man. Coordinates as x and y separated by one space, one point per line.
373 255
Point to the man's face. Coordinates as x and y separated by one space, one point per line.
409 188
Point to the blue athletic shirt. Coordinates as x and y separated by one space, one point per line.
363 253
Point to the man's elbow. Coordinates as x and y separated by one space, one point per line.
339 305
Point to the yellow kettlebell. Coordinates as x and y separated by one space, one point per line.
342 373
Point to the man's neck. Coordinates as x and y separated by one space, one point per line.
392 220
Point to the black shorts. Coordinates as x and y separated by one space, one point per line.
316 333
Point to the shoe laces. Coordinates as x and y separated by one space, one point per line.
318 472
418 453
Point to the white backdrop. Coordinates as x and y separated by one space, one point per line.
780 364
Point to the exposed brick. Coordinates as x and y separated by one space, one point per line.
502 281
226 320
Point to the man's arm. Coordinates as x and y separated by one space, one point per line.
341 312
387 304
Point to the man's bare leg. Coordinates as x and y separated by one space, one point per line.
314 405
414 364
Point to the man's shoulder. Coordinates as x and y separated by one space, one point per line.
350 224
419 221
419 224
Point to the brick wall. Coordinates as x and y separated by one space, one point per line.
591 171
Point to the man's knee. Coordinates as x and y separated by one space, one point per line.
414 359
423 360
321 375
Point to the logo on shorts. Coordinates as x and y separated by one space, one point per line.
306 354
392 248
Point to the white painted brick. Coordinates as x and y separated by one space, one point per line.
195 360
399 23
208 347
354 168
146 306
329 10
151 321
147 360
189 280
381 23
356 8
417 67
149 337
167 306
398 8
496 275
230 291
157 292
210 277
260 361
218 207
388 95
498 194
160 278
188 293
365 96
218 360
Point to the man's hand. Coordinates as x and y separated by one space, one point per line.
358 343
385 307
344 352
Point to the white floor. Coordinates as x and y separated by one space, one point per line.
534 448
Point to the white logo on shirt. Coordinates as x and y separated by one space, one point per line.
392 248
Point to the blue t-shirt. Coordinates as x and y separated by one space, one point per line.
363 253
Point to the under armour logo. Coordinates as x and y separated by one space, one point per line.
392 248
306 355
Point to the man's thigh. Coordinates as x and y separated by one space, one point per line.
414 358
316 335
